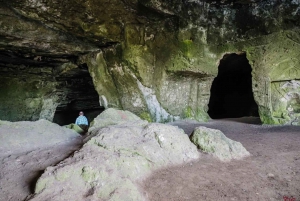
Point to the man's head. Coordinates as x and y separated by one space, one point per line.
80 113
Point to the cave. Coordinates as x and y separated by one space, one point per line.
231 91
80 95
36 85
69 116
176 79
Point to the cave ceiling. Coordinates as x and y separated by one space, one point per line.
48 42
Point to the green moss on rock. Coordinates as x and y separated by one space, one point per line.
88 174
42 183
188 113
146 116
186 47
198 114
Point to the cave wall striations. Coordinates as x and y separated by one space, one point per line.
156 58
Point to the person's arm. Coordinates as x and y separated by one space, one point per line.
76 121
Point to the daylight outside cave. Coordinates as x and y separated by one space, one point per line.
231 91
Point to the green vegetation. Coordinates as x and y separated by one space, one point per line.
146 116
186 47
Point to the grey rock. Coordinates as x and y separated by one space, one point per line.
113 116
26 136
271 176
159 67
110 165
213 141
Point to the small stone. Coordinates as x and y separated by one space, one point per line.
270 175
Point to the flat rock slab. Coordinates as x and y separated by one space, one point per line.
26 149
25 135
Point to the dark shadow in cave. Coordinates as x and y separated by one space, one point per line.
80 95
231 91
69 116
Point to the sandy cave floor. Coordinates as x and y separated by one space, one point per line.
271 173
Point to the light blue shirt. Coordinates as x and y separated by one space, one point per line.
81 120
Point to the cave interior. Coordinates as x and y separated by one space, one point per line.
231 91
28 77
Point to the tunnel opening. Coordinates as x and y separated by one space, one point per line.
69 116
231 91
79 95
33 85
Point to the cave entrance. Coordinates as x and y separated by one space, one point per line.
79 94
65 117
231 91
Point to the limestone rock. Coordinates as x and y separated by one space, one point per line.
113 116
286 102
216 143
110 164
25 136
155 58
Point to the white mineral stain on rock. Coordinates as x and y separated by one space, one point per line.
156 110
103 101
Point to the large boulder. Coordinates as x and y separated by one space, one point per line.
25 135
110 165
113 116
213 141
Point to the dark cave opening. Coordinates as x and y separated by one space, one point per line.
69 116
231 91
30 78
80 95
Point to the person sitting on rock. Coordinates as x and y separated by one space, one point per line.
82 121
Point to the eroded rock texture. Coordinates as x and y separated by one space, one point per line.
111 164
115 117
214 142
17 137
156 58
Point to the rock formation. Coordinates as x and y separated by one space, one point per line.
110 165
26 136
156 58
214 142
115 117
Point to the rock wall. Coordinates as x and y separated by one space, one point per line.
178 64
22 99
158 58
38 69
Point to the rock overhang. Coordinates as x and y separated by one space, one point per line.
185 38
